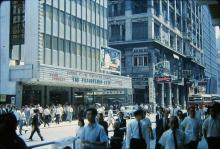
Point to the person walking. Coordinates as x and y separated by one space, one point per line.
173 138
102 122
110 116
81 124
211 128
93 135
192 128
136 137
47 116
122 122
36 125
58 115
147 123
162 126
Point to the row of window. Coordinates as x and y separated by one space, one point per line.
139 31
65 53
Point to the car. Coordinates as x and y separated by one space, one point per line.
129 111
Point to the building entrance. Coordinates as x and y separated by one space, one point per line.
58 97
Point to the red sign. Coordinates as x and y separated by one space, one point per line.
163 79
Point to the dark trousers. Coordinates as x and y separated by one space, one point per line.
46 120
57 118
138 144
193 145
213 142
35 129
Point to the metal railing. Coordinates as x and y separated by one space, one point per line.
59 144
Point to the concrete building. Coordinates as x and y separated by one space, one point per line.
210 51
218 65
161 46
50 53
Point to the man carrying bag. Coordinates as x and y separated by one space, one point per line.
136 133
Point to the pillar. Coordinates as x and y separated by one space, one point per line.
19 90
169 94
128 25
177 95
162 95
160 9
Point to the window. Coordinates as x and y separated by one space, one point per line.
135 60
61 44
55 43
117 32
55 21
48 41
139 6
67 46
156 8
146 59
48 19
117 9
139 30
156 31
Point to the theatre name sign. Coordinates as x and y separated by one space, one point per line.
78 77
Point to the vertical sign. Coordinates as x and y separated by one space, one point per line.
151 90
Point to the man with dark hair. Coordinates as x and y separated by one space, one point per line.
173 138
136 137
103 123
122 121
8 137
192 128
211 128
36 125
162 126
93 135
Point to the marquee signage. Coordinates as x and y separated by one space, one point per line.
71 77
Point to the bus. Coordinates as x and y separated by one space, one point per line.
205 99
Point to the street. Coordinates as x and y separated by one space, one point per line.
68 129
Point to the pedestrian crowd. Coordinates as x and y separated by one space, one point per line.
175 129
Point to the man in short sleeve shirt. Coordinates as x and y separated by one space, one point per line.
93 135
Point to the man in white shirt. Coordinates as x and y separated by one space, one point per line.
110 116
211 128
136 137
147 124
192 128
173 138
46 116
93 135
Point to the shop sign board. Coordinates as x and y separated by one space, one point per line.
83 78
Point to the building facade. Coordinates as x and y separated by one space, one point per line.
50 53
210 52
161 46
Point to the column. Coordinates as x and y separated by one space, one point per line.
162 95
169 94
150 11
120 31
48 95
177 95
128 25
19 90
168 12
160 9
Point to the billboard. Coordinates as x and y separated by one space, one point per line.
110 59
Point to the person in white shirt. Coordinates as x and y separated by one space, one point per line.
110 117
147 124
192 128
173 138
46 116
136 137
211 128
81 124
58 115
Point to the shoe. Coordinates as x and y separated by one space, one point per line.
30 139
42 139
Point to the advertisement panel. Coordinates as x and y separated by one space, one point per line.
110 59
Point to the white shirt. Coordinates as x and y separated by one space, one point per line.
212 127
133 132
110 113
46 111
191 127
147 124
167 139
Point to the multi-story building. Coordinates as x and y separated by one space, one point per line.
50 53
218 65
210 52
161 46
